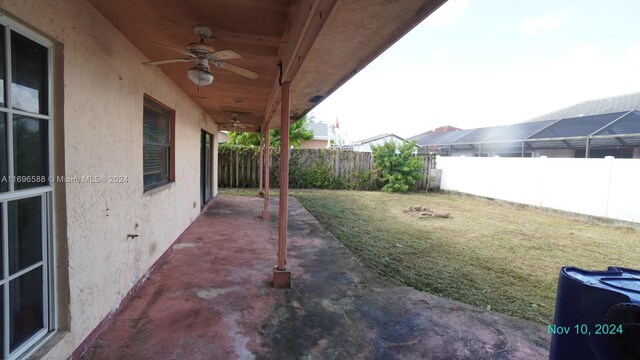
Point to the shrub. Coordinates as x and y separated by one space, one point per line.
399 169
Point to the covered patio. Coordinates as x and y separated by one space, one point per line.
212 298
125 116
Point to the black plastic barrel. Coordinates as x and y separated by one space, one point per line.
589 302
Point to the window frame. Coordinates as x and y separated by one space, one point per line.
171 143
46 194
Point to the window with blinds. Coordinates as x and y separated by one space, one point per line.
157 144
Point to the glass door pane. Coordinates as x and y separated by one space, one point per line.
205 166
29 91
208 157
25 138
3 101
25 233
25 307
202 166
30 151
4 181
2 274
2 349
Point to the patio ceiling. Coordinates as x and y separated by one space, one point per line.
321 43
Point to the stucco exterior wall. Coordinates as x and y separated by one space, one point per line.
315 144
104 84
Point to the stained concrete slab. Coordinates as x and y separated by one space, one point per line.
215 301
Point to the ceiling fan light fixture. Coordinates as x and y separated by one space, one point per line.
199 76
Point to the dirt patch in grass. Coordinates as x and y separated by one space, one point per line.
423 212
489 254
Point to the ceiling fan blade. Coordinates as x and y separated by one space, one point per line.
225 55
240 71
185 52
168 61
236 125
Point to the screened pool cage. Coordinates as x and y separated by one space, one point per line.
613 134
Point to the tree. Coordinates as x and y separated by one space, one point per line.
397 165
244 138
298 132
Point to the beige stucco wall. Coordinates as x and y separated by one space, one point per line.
315 144
104 83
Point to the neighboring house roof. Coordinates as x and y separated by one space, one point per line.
449 137
480 134
595 107
566 127
378 137
420 138
517 132
577 126
320 130
427 138
446 128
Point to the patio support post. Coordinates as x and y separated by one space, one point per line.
523 144
282 275
587 148
266 215
260 163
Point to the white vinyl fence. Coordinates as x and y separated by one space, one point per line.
601 187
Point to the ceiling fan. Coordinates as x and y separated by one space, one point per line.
203 54
235 123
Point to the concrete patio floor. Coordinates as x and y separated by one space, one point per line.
212 299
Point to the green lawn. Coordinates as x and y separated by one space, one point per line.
490 254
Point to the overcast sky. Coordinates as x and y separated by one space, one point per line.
476 63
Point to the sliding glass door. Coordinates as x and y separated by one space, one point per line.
206 167
25 190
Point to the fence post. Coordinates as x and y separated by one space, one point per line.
372 171
237 170
427 167
231 164
241 170
336 164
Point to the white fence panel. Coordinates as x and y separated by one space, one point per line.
600 187
576 185
624 190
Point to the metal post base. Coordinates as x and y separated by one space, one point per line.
281 278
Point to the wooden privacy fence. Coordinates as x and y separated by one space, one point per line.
238 167
309 168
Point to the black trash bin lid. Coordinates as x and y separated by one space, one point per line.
629 284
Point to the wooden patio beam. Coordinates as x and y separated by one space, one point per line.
309 20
